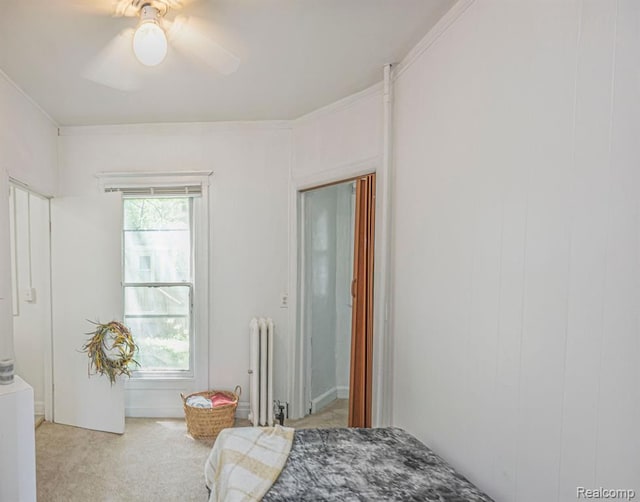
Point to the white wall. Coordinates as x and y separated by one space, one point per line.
248 223
345 133
320 207
28 153
28 140
345 222
6 311
516 247
328 255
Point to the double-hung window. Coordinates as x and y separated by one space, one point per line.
158 262
165 280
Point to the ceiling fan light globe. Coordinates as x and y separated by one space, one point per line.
150 44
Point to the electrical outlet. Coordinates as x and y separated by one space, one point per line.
284 301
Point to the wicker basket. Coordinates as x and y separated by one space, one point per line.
206 423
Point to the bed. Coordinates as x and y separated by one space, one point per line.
384 464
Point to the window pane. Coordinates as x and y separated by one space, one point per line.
157 240
163 342
157 256
157 214
154 301
159 321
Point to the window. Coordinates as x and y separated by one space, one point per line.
158 282
165 276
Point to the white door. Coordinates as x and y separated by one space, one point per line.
83 290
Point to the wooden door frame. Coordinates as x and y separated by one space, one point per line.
381 356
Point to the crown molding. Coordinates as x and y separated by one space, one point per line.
173 128
151 174
341 104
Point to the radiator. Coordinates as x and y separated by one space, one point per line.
261 372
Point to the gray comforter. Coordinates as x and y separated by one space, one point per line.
367 465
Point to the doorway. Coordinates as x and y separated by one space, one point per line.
336 294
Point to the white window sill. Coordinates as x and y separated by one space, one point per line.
159 382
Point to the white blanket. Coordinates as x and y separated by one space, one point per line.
244 462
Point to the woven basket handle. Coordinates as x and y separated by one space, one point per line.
238 391
184 398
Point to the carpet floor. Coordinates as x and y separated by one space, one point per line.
154 460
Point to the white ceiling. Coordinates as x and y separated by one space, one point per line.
296 56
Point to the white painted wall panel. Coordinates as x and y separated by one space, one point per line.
515 319
344 133
618 446
588 213
6 310
27 152
546 252
28 139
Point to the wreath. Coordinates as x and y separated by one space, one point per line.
111 350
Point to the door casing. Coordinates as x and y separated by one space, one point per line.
381 397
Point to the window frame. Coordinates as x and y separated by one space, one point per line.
196 185
160 373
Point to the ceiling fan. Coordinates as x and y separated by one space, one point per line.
122 64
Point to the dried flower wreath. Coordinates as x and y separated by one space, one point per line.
111 350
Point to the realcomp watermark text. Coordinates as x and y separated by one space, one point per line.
605 493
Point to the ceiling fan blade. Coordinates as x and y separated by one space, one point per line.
116 66
114 8
195 39
122 8
178 4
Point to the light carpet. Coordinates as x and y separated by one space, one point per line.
154 460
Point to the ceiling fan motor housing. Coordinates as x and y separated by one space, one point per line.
132 8
150 13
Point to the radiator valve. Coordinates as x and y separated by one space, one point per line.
280 415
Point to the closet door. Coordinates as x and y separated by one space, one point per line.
360 393
85 291
31 292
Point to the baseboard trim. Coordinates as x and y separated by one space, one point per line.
38 407
323 400
242 411
343 392
175 411
154 412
